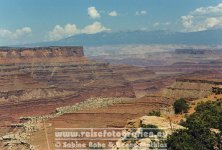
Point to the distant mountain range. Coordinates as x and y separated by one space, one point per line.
209 37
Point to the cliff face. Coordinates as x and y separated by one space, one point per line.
53 77
139 77
191 89
41 52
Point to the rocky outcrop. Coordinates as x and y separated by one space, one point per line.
217 90
199 81
41 55
47 78
16 141
131 140
191 88
41 52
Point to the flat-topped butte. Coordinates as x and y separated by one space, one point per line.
41 52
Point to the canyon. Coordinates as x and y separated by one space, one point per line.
47 78
55 87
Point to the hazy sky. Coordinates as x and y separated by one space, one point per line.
24 21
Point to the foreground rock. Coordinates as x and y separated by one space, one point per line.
131 141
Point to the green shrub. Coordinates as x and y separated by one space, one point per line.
208 114
154 113
198 135
180 106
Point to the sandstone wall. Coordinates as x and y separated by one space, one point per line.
190 89
38 87
41 52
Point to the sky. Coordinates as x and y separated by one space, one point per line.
28 21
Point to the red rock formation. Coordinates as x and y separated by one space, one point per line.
35 81
41 52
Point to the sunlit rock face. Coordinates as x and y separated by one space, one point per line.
41 52
36 81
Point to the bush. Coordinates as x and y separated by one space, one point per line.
194 140
180 140
198 135
149 128
208 114
154 113
180 106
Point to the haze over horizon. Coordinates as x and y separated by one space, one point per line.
30 22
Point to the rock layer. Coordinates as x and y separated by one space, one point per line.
41 52
35 81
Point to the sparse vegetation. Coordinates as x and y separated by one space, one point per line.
154 113
199 134
180 106
149 128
